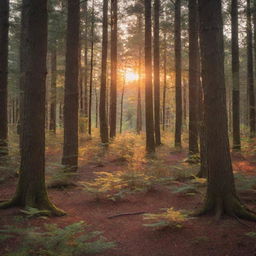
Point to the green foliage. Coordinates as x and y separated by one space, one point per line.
34 212
251 234
61 180
72 240
170 218
116 185
244 182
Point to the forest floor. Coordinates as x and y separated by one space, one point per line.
197 236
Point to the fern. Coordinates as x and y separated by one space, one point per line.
170 218
72 240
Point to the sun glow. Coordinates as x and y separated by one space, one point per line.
131 76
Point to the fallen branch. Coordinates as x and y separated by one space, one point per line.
126 214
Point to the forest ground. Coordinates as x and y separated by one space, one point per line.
198 236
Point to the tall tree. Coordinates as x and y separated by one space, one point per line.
157 72
4 30
91 73
235 76
178 91
221 195
103 113
70 148
113 87
85 85
31 190
150 138
53 101
250 79
194 71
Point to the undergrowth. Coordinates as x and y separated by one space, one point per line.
72 240
170 218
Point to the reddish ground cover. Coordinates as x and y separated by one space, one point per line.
199 237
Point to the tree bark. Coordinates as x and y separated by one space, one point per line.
157 73
221 195
103 114
53 89
194 71
31 190
91 73
250 79
178 92
113 87
70 148
235 76
150 138
165 81
4 30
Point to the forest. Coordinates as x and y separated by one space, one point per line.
127 128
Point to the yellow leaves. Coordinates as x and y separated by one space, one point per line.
113 185
169 218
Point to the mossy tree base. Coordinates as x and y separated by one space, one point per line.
230 206
44 204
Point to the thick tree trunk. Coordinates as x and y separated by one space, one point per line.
194 71
4 29
150 138
178 92
250 79
70 148
221 194
113 87
53 89
103 114
157 72
31 190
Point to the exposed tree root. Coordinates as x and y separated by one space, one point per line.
231 206
45 205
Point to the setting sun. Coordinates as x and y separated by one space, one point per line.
131 76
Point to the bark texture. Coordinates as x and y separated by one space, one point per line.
70 148
4 29
178 91
150 138
31 190
235 77
221 195
103 88
157 72
113 86
194 71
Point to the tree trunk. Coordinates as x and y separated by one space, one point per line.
165 81
139 105
157 72
122 106
235 76
70 149
91 73
250 79
4 29
150 138
221 195
103 114
31 190
194 71
53 89
113 88
178 92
